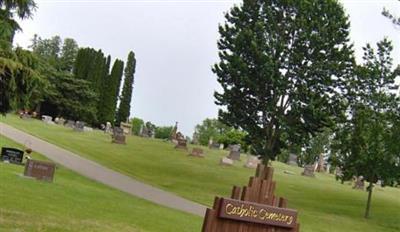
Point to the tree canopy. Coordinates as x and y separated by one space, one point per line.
282 66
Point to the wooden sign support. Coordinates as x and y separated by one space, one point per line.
249 215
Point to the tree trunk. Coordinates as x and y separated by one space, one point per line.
369 189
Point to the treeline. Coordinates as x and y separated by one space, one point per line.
81 84
160 132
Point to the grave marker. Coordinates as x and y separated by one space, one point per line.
79 126
127 128
253 208
40 170
308 170
292 160
197 152
181 144
118 136
12 155
234 154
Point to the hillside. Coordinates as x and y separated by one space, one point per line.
322 202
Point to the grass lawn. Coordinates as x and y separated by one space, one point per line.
74 203
323 204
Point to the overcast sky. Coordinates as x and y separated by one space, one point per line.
175 46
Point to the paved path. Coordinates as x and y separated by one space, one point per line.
102 174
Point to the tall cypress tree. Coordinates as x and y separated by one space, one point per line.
109 94
125 104
93 66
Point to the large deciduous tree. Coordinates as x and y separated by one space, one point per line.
126 97
367 141
281 65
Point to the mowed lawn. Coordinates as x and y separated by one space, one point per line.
74 203
323 204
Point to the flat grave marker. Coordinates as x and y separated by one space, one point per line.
197 152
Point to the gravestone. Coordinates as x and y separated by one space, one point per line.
108 128
25 116
40 170
12 155
79 126
252 162
60 121
118 136
127 128
321 164
70 124
182 144
292 160
338 173
253 208
47 119
308 170
197 152
87 129
234 154
225 161
221 146
359 183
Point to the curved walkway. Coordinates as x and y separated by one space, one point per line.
102 174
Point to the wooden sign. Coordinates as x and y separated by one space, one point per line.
253 208
40 170
12 155
257 213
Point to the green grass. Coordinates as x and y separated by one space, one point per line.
323 204
74 203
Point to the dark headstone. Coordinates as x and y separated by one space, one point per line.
234 154
40 170
118 136
197 152
12 155
308 170
79 126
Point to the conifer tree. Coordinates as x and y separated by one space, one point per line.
125 103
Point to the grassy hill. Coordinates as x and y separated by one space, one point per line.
323 204
74 203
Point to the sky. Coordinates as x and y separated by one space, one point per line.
175 43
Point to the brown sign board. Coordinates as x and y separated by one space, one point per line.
40 170
257 213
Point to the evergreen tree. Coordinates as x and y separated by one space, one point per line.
281 67
126 97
